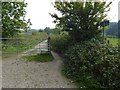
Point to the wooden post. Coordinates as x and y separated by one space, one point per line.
49 45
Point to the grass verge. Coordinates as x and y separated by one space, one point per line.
114 41
39 57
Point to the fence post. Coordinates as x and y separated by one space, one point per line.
49 52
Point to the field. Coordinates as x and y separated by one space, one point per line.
114 41
25 41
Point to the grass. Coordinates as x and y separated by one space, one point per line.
39 57
25 42
114 41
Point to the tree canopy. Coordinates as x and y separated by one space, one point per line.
0 19
48 30
13 18
113 29
81 19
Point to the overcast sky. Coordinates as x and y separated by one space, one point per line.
38 11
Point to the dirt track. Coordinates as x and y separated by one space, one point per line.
17 73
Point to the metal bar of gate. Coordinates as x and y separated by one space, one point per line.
18 43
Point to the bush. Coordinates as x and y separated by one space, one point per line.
93 64
60 42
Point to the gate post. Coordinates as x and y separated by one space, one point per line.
49 51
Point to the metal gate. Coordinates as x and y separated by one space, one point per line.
11 46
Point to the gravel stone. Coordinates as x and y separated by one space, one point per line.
17 73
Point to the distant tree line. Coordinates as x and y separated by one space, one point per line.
47 30
114 29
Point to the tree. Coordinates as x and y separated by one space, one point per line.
113 29
13 18
0 20
40 30
0 14
81 19
47 30
56 30
119 29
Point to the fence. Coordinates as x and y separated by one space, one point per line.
18 45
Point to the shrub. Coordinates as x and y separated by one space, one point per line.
60 42
34 33
93 64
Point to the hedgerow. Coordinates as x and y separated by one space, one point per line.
93 64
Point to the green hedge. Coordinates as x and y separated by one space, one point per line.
60 42
93 65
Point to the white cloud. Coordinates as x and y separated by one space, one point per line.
113 14
38 11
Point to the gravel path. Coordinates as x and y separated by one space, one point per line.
17 73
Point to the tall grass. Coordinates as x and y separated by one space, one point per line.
60 42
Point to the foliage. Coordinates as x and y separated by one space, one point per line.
81 19
0 17
60 42
93 64
56 31
119 29
39 57
113 29
40 30
48 30
13 18
33 33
